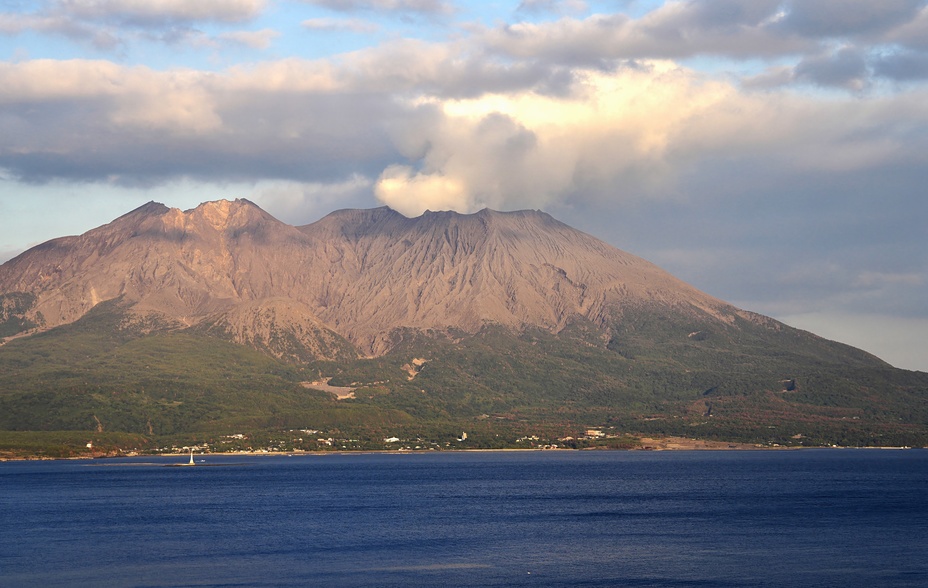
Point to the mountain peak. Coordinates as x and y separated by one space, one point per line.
226 214
150 209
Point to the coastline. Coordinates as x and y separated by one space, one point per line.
647 444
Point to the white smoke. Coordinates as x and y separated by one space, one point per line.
527 150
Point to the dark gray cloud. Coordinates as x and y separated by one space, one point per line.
717 15
298 137
847 18
536 7
832 43
732 28
768 236
846 68
902 66
111 24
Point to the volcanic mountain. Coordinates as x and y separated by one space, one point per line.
363 292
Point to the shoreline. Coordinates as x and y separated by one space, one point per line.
648 444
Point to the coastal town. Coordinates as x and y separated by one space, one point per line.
317 441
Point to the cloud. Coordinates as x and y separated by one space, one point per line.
528 150
59 24
831 43
426 7
160 12
873 278
903 66
255 39
300 203
105 96
410 193
913 34
738 29
448 125
95 120
552 6
494 134
847 18
632 133
845 68
351 25
887 336
112 24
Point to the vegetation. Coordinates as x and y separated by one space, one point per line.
13 307
113 381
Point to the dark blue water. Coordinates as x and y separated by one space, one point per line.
788 518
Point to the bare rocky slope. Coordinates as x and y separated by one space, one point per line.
355 276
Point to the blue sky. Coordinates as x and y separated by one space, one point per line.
772 153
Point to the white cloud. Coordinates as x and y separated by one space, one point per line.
629 133
410 193
526 149
255 39
351 25
120 98
385 6
621 134
299 203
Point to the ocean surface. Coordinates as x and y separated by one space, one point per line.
729 518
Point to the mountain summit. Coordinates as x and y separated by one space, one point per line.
510 315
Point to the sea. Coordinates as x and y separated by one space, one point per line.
811 517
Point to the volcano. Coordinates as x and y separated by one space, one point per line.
445 316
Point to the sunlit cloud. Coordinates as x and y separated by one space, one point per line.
387 6
351 25
255 39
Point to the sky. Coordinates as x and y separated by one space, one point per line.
772 153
